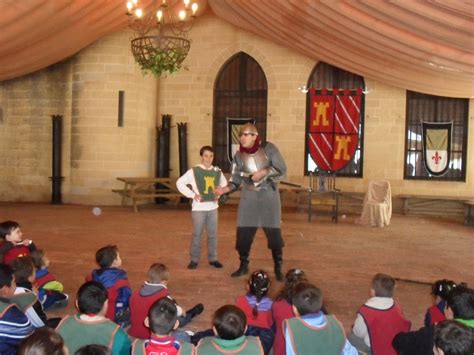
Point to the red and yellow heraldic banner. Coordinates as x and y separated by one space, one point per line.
334 127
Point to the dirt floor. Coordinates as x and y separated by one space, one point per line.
340 259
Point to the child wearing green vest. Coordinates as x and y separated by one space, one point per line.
229 326
311 331
162 320
199 184
91 326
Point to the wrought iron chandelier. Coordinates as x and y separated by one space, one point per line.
161 44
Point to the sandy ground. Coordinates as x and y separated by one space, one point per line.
340 259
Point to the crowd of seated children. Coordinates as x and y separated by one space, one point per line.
155 288
91 326
453 338
13 245
50 290
115 280
439 291
311 331
162 320
26 296
282 307
43 341
257 307
379 319
459 306
229 324
14 324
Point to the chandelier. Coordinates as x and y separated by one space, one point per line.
160 43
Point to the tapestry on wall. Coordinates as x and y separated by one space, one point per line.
437 147
333 127
233 139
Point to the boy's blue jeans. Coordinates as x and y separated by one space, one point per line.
203 219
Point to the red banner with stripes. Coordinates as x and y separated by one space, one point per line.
334 127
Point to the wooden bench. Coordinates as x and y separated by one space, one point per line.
140 188
447 206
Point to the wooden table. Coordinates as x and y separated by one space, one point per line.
140 188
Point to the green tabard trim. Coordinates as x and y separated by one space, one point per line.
24 300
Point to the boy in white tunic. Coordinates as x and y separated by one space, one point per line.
203 180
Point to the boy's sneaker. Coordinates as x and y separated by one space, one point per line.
192 265
196 310
216 264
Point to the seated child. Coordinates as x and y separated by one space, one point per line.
91 326
311 331
26 296
379 319
459 306
282 307
14 324
155 288
440 290
453 338
93 349
44 341
229 325
257 307
13 244
162 319
50 291
115 280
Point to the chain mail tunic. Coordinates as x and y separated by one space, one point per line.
261 207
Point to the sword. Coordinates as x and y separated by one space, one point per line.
307 188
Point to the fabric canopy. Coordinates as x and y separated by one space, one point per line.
412 44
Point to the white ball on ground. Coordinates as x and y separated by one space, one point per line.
96 211
343 216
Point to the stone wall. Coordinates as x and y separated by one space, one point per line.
84 89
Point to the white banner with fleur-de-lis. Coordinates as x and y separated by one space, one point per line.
437 147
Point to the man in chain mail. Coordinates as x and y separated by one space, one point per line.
257 167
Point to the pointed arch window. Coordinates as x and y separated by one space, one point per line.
240 91
326 76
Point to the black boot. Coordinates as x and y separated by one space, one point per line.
278 263
244 265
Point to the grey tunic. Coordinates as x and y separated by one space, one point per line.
261 207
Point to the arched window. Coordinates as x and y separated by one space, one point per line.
326 76
240 92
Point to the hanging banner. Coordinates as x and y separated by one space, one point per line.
233 139
334 127
437 147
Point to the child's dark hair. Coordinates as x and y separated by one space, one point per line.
23 268
6 275
158 273
91 297
454 338
442 288
105 256
44 341
307 298
205 148
162 316
6 227
37 256
93 349
259 284
230 322
292 278
461 302
383 285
